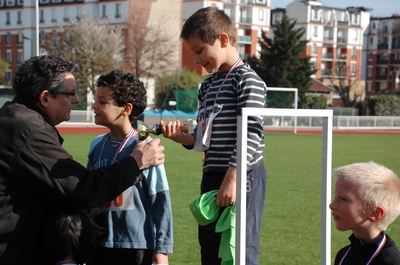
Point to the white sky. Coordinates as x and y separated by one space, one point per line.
381 8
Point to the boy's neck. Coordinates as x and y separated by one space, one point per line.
120 132
369 235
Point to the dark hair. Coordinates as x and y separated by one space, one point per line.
127 89
207 24
67 233
41 73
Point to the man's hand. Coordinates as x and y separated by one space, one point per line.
148 154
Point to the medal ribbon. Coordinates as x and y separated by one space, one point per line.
223 82
120 147
378 249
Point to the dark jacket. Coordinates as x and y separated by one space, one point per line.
361 252
37 175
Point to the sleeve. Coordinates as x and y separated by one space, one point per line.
251 92
161 209
45 168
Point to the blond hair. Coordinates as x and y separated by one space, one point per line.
378 186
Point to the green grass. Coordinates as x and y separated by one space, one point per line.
291 222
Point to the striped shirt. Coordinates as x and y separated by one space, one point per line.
243 88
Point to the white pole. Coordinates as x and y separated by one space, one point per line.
37 26
241 175
240 255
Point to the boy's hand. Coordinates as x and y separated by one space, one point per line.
227 192
148 154
172 130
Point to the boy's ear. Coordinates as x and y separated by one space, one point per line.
224 39
128 109
376 214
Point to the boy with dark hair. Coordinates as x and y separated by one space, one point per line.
210 36
367 200
138 221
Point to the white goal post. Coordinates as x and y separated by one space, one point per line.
242 118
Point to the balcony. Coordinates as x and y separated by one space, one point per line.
343 23
341 40
245 39
383 46
327 55
382 62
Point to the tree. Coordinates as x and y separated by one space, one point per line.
93 44
349 90
3 70
150 49
168 88
281 64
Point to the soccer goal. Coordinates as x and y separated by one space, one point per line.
295 98
326 157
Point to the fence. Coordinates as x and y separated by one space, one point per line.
339 122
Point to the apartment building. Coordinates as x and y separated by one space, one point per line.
382 54
18 19
250 17
335 37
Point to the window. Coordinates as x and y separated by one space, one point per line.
41 16
66 14
20 54
371 40
9 57
314 14
355 35
354 52
8 41
20 37
118 10
260 14
19 20
353 68
53 15
315 31
8 18
370 56
369 71
314 48
103 11
8 76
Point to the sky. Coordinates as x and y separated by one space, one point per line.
381 8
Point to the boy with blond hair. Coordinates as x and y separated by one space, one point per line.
367 200
210 37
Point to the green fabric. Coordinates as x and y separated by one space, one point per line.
226 225
205 211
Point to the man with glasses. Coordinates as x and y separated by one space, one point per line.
36 173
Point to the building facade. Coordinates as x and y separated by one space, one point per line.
382 54
249 17
18 34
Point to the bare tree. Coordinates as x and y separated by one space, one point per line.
150 49
93 44
350 90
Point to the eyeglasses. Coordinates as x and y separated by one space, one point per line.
71 94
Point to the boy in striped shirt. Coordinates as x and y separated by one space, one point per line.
211 38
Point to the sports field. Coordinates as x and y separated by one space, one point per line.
291 224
